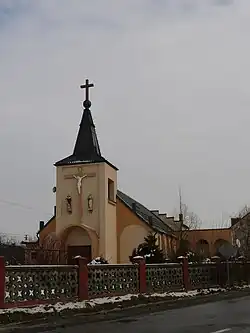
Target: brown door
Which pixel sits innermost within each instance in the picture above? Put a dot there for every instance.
(83, 251)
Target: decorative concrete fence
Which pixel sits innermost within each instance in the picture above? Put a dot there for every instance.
(32, 285)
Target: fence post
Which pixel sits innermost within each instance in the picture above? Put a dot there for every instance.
(2, 282)
(185, 274)
(221, 273)
(142, 274)
(218, 272)
(83, 277)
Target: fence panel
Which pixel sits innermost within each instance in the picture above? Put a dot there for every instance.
(239, 273)
(108, 280)
(203, 276)
(26, 283)
(164, 277)
(60, 283)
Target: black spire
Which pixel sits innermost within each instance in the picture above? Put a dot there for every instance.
(87, 149)
(87, 146)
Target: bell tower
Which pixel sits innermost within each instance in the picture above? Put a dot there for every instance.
(86, 186)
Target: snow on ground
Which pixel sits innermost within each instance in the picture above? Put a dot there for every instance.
(58, 307)
(190, 293)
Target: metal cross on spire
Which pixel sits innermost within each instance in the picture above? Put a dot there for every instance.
(86, 86)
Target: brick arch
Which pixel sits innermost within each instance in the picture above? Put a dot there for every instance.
(202, 247)
(84, 237)
(131, 236)
(218, 243)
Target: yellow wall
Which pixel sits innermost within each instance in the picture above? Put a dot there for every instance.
(110, 217)
(90, 185)
(48, 229)
(210, 235)
(123, 233)
(77, 237)
(100, 224)
(130, 231)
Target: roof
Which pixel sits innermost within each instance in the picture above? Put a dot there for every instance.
(175, 225)
(87, 149)
(145, 214)
(46, 224)
(210, 229)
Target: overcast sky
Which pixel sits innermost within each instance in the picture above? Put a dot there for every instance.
(171, 101)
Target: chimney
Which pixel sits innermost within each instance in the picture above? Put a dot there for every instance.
(134, 206)
(41, 225)
(180, 217)
(155, 211)
(54, 210)
(234, 220)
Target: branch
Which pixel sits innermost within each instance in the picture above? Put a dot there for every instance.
(243, 211)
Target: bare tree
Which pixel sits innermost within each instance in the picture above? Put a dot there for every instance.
(50, 251)
(243, 211)
(190, 219)
(241, 231)
(241, 237)
(6, 239)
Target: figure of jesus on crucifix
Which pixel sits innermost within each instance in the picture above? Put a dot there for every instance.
(79, 182)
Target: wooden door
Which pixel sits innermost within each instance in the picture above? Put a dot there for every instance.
(83, 251)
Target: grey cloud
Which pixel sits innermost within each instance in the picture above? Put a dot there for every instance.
(223, 2)
(171, 102)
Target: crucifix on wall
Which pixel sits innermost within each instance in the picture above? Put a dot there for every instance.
(79, 178)
(79, 182)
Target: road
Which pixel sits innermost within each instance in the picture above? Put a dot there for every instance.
(232, 316)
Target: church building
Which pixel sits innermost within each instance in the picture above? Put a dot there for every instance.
(92, 217)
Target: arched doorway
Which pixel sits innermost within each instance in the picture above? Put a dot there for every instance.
(202, 248)
(218, 244)
(77, 243)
